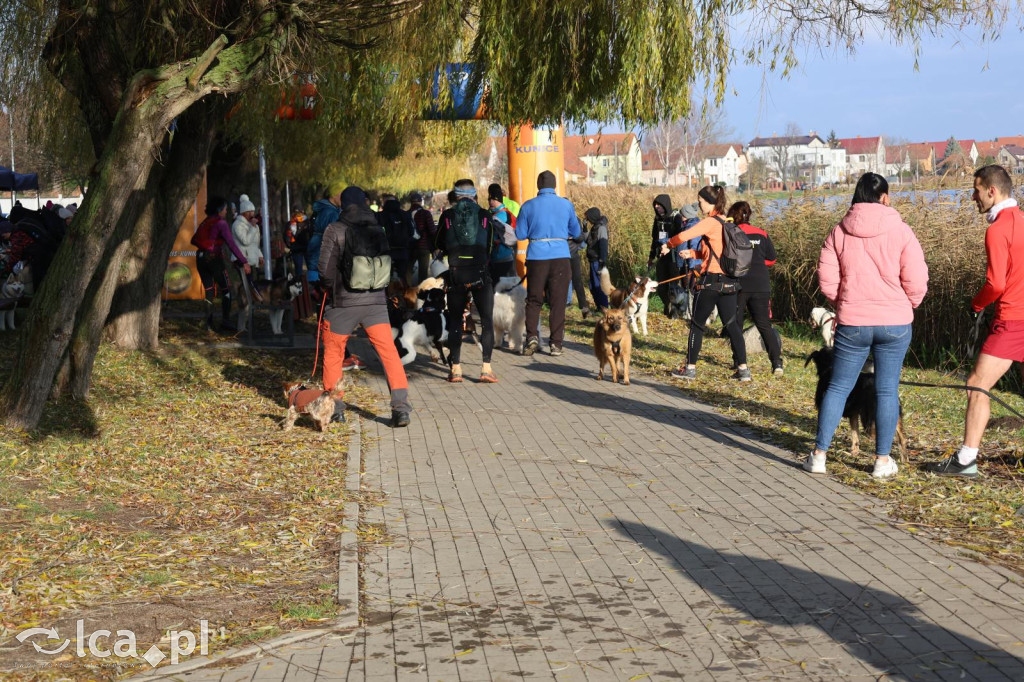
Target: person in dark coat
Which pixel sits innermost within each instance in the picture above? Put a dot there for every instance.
(755, 286)
(596, 239)
(666, 225)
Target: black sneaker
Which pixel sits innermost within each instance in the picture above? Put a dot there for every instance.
(952, 467)
(555, 350)
(399, 419)
(532, 344)
(585, 313)
(338, 418)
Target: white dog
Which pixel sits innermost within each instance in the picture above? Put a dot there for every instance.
(826, 319)
(633, 299)
(510, 311)
(10, 293)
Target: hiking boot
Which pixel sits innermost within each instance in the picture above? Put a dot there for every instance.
(885, 467)
(352, 362)
(685, 373)
(742, 374)
(399, 419)
(555, 351)
(815, 463)
(953, 467)
(532, 344)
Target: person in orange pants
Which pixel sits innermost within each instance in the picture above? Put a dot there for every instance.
(351, 308)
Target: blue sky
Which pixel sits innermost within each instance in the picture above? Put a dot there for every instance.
(963, 88)
(968, 90)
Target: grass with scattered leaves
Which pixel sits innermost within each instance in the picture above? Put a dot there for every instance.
(168, 497)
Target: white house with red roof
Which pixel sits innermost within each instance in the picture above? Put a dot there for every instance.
(864, 155)
(607, 159)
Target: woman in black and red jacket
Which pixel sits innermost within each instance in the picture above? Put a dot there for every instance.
(755, 287)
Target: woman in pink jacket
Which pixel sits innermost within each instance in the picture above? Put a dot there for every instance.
(872, 270)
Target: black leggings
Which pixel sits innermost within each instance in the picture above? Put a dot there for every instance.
(706, 300)
(759, 305)
(483, 297)
(213, 271)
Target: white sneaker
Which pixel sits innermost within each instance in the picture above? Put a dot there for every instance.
(885, 467)
(815, 463)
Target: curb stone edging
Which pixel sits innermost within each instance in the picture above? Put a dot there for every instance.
(348, 578)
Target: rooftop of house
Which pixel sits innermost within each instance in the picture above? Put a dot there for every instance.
(783, 141)
(860, 145)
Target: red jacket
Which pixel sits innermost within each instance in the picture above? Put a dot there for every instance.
(1004, 279)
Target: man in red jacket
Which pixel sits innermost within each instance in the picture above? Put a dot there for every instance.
(1004, 286)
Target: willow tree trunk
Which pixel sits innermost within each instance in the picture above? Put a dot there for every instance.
(134, 314)
(153, 100)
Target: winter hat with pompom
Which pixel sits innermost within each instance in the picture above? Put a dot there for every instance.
(245, 205)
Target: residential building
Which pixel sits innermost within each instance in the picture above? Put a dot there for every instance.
(654, 172)
(1017, 140)
(897, 160)
(987, 152)
(1011, 157)
(722, 163)
(968, 156)
(922, 157)
(609, 158)
(864, 155)
(803, 160)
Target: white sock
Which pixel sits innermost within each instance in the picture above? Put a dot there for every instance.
(966, 455)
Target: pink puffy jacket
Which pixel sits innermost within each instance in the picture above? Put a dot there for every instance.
(872, 268)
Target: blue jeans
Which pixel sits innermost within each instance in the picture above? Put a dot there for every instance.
(889, 345)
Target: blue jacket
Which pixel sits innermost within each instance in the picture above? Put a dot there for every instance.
(693, 244)
(548, 221)
(324, 213)
(502, 253)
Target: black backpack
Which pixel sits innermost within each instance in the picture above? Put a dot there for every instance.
(365, 263)
(467, 241)
(398, 227)
(737, 251)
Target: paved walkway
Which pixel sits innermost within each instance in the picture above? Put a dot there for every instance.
(551, 527)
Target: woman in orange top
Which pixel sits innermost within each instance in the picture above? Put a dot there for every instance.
(714, 288)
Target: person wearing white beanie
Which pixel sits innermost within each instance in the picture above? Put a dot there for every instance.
(247, 235)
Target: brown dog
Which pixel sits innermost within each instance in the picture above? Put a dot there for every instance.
(613, 344)
(317, 403)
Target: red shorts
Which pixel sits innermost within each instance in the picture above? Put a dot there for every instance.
(1005, 340)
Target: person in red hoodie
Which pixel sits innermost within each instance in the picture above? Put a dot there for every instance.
(872, 269)
(1004, 286)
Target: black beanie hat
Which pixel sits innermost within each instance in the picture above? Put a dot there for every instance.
(592, 215)
(352, 195)
(546, 180)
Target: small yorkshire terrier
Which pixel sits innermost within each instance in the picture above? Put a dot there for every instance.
(317, 403)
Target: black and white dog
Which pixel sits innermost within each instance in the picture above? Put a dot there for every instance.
(426, 330)
(860, 405)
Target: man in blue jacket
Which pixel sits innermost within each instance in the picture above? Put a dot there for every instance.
(325, 212)
(548, 221)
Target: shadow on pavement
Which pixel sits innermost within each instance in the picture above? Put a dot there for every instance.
(882, 629)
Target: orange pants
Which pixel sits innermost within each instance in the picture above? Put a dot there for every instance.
(380, 337)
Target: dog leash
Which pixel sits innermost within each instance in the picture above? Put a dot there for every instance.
(964, 388)
(319, 325)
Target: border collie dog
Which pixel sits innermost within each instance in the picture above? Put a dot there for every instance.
(860, 405)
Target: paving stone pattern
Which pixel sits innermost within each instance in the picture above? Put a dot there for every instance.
(554, 527)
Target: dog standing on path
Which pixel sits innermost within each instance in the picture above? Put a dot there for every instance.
(613, 344)
(634, 299)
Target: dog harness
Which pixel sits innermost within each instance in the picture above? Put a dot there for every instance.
(300, 397)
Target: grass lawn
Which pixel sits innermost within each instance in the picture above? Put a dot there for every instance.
(172, 496)
(978, 516)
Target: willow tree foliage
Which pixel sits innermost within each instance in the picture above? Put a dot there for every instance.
(134, 66)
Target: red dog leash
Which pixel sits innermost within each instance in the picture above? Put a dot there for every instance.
(319, 325)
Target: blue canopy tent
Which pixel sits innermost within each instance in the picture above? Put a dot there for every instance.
(17, 182)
